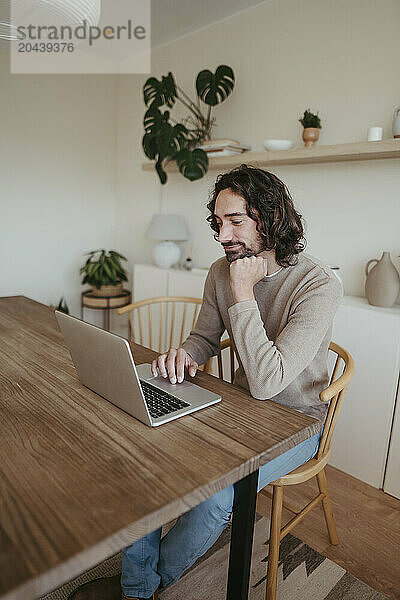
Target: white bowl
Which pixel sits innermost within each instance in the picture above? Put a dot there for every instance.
(277, 144)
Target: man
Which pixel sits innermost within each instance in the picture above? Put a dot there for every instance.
(277, 305)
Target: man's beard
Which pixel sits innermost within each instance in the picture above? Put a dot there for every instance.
(244, 251)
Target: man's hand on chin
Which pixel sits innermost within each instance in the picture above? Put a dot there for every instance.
(244, 274)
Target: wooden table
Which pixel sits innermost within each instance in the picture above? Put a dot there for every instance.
(80, 479)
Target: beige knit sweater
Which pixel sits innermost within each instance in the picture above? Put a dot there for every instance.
(281, 338)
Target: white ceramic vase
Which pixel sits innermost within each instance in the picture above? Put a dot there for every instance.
(396, 123)
(383, 282)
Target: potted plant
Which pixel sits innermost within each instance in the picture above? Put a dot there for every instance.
(104, 272)
(168, 140)
(312, 125)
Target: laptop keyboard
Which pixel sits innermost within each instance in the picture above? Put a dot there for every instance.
(159, 402)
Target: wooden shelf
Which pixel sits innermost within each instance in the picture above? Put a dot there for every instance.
(302, 155)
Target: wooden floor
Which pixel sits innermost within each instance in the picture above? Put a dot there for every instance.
(368, 524)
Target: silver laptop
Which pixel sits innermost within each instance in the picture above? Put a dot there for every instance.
(104, 364)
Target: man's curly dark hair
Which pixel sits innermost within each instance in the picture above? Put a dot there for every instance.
(270, 205)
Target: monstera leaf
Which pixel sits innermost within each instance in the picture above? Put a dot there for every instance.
(154, 119)
(157, 93)
(161, 137)
(162, 140)
(171, 139)
(149, 143)
(193, 164)
(212, 88)
(154, 122)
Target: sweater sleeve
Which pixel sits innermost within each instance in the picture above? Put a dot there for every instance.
(204, 341)
(271, 366)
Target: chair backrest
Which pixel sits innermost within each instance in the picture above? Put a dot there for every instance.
(341, 375)
(224, 345)
(163, 322)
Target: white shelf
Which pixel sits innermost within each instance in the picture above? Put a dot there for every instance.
(362, 302)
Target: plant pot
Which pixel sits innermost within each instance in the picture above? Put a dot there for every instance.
(107, 290)
(310, 135)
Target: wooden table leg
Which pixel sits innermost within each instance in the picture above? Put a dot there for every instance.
(107, 316)
(244, 510)
(106, 319)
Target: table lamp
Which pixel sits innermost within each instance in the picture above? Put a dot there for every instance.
(168, 229)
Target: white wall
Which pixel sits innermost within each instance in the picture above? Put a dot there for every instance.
(67, 186)
(137, 195)
(340, 58)
(58, 175)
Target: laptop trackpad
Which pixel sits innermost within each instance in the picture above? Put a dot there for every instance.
(144, 372)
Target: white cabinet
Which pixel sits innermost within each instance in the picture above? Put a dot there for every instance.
(361, 440)
(150, 281)
(391, 484)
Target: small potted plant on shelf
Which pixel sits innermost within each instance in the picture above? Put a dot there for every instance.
(104, 272)
(312, 125)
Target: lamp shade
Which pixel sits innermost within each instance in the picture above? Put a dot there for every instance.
(167, 227)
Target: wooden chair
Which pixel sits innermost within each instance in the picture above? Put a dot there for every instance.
(226, 344)
(163, 322)
(341, 375)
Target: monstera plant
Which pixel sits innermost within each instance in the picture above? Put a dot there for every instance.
(168, 140)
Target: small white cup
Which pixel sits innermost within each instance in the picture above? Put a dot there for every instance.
(375, 134)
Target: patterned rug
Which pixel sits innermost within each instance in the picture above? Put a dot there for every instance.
(303, 574)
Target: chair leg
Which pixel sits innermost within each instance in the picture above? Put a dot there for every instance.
(327, 506)
(274, 541)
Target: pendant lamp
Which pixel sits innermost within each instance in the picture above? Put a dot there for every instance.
(45, 12)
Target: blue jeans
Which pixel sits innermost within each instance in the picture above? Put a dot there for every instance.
(152, 561)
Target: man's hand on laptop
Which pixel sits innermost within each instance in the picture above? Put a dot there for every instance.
(173, 363)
